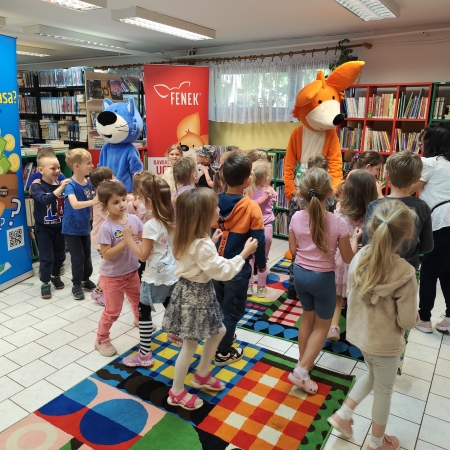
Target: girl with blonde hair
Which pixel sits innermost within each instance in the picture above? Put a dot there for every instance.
(382, 304)
(173, 154)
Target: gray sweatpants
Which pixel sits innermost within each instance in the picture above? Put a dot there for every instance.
(381, 378)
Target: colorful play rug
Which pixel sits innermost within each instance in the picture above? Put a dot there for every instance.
(120, 408)
(279, 317)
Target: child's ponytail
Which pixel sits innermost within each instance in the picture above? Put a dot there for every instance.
(391, 224)
(315, 186)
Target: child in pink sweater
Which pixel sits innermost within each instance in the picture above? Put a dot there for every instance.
(263, 194)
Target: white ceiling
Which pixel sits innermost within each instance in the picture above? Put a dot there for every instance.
(235, 22)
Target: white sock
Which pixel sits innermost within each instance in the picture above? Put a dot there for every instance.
(376, 442)
(345, 413)
(303, 373)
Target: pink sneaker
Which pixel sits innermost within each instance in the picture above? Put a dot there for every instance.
(138, 359)
(334, 334)
(444, 324)
(389, 443)
(105, 347)
(175, 339)
(343, 426)
(98, 297)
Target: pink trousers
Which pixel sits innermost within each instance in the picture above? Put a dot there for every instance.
(114, 290)
(262, 276)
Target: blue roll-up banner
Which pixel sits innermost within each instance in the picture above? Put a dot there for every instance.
(15, 256)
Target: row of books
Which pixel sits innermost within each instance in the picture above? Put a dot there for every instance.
(73, 76)
(406, 141)
(439, 111)
(350, 138)
(29, 129)
(381, 106)
(279, 169)
(72, 130)
(415, 108)
(378, 141)
(49, 129)
(61, 105)
(280, 224)
(25, 79)
(27, 105)
(112, 89)
(354, 108)
(282, 201)
(382, 173)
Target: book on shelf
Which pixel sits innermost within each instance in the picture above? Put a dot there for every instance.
(27, 170)
(33, 243)
(59, 104)
(28, 151)
(115, 88)
(353, 107)
(73, 76)
(438, 110)
(280, 168)
(378, 141)
(94, 89)
(282, 201)
(49, 128)
(106, 91)
(350, 138)
(406, 141)
(128, 86)
(98, 142)
(280, 224)
(382, 173)
(29, 129)
(414, 107)
(58, 145)
(25, 79)
(27, 104)
(29, 209)
(381, 106)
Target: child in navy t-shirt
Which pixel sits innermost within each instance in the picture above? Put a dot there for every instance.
(77, 220)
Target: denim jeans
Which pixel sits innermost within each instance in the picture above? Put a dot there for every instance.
(232, 297)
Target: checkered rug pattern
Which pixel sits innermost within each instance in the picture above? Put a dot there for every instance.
(280, 317)
(120, 408)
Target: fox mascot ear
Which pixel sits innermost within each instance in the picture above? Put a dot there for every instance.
(309, 92)
(345, 75)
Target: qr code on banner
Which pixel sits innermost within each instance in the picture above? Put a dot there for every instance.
(15, 237)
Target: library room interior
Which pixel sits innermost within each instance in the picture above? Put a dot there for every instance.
(162, 148)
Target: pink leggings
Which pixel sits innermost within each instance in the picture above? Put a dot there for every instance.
(262, 276)
(114, 289)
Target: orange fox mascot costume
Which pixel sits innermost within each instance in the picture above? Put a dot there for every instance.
(318, 109)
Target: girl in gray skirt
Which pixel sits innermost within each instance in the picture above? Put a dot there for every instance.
(193, 312)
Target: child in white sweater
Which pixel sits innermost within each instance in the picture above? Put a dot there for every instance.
(382, 304)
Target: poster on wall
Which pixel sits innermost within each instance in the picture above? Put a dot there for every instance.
(15, 257)
(176, 110)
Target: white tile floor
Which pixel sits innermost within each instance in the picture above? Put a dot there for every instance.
(47, 346)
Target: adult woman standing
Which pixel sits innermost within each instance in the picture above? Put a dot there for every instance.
(434, 189)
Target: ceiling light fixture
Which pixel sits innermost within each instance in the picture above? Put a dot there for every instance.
(78, 5)
(372, 9)
(141, 17)
(76, 39)
(32, 51)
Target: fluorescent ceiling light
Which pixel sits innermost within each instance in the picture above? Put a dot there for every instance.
(144, 18)
(33, 51)
(78, 5)
(372, 9)
(2, 22)
(76, 39)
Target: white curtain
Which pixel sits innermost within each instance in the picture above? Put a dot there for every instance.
(260, 91)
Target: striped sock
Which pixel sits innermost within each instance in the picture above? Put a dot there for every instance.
(145, 328)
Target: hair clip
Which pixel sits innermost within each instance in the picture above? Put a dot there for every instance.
(312, 193)
(137, 173)
(356, 156)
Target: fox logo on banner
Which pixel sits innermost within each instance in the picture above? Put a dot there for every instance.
(176, 110)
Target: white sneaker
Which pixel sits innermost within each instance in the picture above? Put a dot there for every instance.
(444, 324)
(261, 291)
(250, 290)
(425, 327)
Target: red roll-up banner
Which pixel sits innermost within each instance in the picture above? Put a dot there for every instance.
(176, 104)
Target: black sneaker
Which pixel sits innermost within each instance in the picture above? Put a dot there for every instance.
(77, 293)
(46, 291)
(57, 282)
(233, 355)
(292, 293)
(88, 285)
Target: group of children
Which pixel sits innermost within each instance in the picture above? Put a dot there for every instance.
(195, 247)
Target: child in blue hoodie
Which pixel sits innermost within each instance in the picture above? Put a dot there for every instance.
(239, 219)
